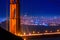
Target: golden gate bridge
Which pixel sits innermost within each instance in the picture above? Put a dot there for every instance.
(15, 25)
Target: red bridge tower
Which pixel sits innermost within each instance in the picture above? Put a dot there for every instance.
(15, 17)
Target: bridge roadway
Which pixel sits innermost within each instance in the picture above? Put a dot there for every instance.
(40, 35)
(26, 35)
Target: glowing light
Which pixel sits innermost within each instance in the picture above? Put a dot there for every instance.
(38, 32)
(29, 33)
(45, 24)
(15, 33)
(46, 31)
(36, 22)
(24, 33)
(18, 34)
(32, 21)
(58, 30)
(33, 31)
(24, 38)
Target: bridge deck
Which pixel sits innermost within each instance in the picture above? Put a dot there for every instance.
(39, 34)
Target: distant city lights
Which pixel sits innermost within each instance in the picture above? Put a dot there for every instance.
(31, 20)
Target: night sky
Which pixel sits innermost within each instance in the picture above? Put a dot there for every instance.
(33, 8)
(41, 7)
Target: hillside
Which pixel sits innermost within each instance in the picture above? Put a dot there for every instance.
(5, 35)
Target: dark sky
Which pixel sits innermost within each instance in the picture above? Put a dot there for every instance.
(41, 7)
(33, 8)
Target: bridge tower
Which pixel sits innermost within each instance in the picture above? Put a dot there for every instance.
(14, 17)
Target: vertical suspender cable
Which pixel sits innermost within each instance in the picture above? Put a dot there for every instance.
(22, 17)
(7, 15)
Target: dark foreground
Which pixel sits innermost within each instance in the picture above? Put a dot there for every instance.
(45, 37)
(5, 35)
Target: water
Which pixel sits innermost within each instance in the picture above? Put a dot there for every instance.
(41, 29)
(46, 39)
(52, 38)
(38, 28)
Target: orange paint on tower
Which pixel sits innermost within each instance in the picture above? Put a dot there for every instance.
(14, 17)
